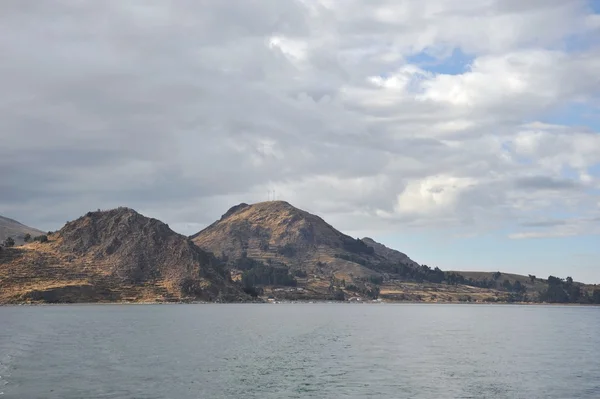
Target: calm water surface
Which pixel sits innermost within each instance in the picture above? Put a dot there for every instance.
(299, 351)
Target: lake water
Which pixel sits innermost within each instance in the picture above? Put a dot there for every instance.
(299, 351)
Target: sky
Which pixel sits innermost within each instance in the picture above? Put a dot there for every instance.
(465, 133)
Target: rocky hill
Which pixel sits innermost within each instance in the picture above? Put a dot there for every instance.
(15, 230)
(274, 244)
(116, 255)
(277, 233)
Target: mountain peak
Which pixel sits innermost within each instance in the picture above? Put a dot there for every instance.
(115, 225)
(264, 224)
(268, 206)
(275, 204)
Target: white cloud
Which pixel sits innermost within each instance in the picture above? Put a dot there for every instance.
(296, 50)
(183, 109)
(433, 194)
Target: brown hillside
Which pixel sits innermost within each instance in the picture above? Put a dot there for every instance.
(389, 254)
(113, 255)
(277, 232)
(16, 230)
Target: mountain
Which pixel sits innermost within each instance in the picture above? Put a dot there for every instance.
(16, 230)
(115, 255)
(276, 232)
(264, 242)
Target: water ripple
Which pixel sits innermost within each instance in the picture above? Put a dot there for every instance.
(300, 351)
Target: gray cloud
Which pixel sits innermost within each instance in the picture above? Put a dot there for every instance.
(544, 223)
(183, 109)
(545, 183)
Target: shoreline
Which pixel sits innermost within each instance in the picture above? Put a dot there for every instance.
(312, 302)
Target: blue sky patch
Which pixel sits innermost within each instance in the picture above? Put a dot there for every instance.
(574, 114)
(456, 64)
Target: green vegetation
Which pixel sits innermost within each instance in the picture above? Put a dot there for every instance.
(565, 291)
(245, 263)
(9, 242)
(300, 273)
(366, 286)
(264, 245)
(262, 274)
(27, 237)
(357, 246)
(517, 297)
(352, 258)
(190, 287)
(352, 287)
(517, 287)
(415, 273)
(253, 291)
(288, 250)
(374, 292)
(43, 238)
(224, 258)
(376, 280)
(338, 295)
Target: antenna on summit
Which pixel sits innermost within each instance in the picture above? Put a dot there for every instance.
(272, 195)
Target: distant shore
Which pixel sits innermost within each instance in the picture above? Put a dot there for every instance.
(284, 302)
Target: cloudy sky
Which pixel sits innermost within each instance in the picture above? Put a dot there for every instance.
(465, 133)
